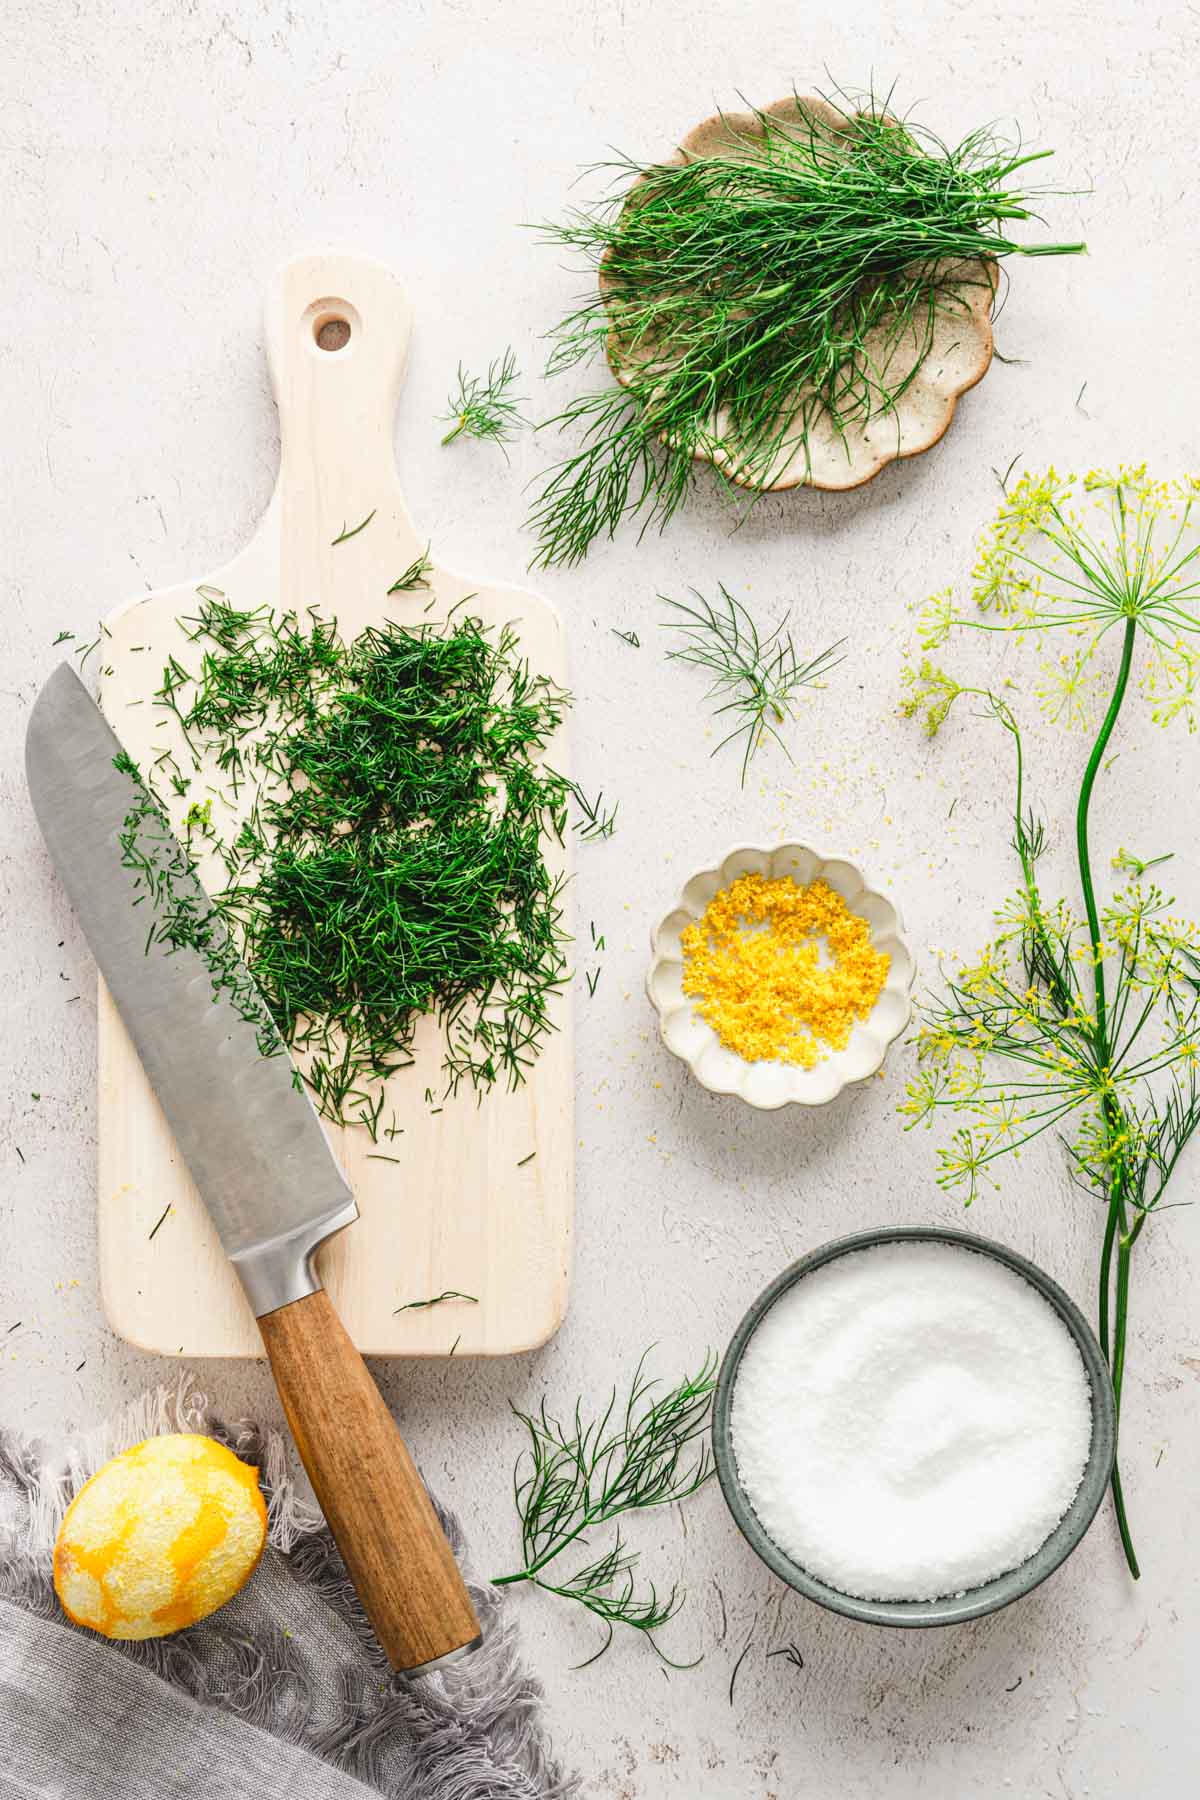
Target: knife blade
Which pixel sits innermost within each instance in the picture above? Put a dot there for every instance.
(256, 1151)
(244, 1125)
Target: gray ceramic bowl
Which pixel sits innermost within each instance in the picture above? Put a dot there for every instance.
(975, 1601)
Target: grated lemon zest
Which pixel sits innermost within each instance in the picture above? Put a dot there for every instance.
(753, 964)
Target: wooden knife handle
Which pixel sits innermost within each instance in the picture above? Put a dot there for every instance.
(375, 1502)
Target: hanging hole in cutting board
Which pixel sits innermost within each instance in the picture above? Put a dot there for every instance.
(333, 324)
(333, 334)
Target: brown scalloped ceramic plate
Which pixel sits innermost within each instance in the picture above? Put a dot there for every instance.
(958, 356)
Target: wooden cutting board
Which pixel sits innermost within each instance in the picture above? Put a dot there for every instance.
(481, 1198)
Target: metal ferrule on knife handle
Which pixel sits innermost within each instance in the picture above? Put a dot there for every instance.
(281, 1270)
(260, 1159)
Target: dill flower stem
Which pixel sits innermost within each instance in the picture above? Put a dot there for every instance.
(1081, 832)
(1110, 1238)
(1123, 1524)
(1113, 1118)
(1118, 1373)
(1117, 1365)
(1100, 573)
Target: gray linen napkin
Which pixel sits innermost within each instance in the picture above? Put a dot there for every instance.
(282, 1692)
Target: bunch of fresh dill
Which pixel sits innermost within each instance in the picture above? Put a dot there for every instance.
(759, 675)
(577, 1475)
(1084, 1024)
(390, 857)
(743, 296)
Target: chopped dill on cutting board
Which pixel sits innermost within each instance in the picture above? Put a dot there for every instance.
(389, 860)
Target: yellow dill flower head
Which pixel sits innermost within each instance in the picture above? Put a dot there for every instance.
(936, 619)
(1067, 688)
(929, 693)
(1049, 563)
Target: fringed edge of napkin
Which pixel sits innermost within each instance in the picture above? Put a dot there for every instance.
(477, 1723)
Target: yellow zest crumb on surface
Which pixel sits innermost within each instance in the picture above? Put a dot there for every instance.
(781, 972)
(160, 1537)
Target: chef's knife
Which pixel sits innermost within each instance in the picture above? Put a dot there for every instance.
(257, 1153)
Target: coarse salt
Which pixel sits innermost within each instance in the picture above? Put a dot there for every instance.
(911, 1420)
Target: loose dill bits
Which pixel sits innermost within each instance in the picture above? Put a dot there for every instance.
(391, 861)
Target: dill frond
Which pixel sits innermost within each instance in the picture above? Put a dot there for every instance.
(759, 676)
(483, 406)
(594, 822)
(579, 1474)
(346, 533)
(436, 1300)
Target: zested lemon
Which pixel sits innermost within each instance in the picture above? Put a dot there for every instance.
(160, 1537)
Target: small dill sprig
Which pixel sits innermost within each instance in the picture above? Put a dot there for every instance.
(760, 676)
(628, 637)
(483, 406)
(83, 651)
(415, 576)
(579, 1474)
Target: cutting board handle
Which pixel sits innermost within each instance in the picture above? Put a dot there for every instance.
(337, 329)
(381, 1518)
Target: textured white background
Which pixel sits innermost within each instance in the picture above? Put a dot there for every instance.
(156, 164)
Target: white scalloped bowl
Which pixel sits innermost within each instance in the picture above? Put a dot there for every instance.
(769, 1085)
